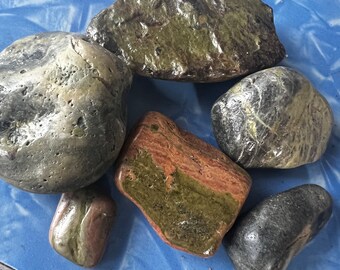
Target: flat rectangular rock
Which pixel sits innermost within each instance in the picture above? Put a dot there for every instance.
(189, 191)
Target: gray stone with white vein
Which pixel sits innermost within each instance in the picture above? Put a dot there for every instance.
(273, 118)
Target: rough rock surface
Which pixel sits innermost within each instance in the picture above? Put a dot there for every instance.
(199, 41)
(62, 112)
(189, 191)
(81, 226)
(278, 228)
(273, 118)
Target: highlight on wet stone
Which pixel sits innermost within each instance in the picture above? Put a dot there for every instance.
(190, 192)
(81, 226)
(274, 118)
(197, 41)
(277, 229)
(63, 112)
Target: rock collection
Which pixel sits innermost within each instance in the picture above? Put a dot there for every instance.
(196, 41)
(273, 119)
(63, 123)
(190, 192)
(278, 228)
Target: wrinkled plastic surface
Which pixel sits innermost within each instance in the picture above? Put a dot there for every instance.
(310, 31)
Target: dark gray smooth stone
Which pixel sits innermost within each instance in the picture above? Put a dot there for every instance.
(278, 228)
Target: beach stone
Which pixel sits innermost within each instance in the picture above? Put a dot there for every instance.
(274, 118)
(62, 112)
(197, 41)
(81, 226)
(190, 192)
(271, 234)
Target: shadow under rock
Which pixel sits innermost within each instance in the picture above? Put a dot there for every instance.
(208, 93)
(146, 96)
(314, 252)
(268, 182)
(123, 223)
(333, 147)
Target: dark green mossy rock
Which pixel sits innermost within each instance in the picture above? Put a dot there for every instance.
(198, 41)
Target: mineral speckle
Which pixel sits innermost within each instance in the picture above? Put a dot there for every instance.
(278, 228)
(62, 112)
(200, 41)
(273, 118)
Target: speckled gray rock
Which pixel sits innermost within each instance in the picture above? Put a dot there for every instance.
(81, 226)
(278, 228)
(193, 40)
(273, 118)
(62, 112)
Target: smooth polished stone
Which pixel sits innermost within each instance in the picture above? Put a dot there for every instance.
(271, 234)
(274, 119)
(63, 113)
(190, 192)
(196, 41)
(81, 226)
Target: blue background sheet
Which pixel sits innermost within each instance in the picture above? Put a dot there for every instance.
(310, 32)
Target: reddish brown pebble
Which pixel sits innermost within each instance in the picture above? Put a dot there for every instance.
(81, 226)
(189, 191)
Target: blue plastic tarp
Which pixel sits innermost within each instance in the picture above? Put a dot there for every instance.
(310, 32)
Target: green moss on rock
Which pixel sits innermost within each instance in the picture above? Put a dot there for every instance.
(200, 40)
(188, 214)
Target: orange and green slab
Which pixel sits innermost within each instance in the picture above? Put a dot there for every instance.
(190, 192)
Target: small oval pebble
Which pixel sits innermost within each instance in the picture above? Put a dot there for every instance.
(195, 40)
(273, 118)
(278, 228)
(62, 118)
(81, 226)
(190, 192)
